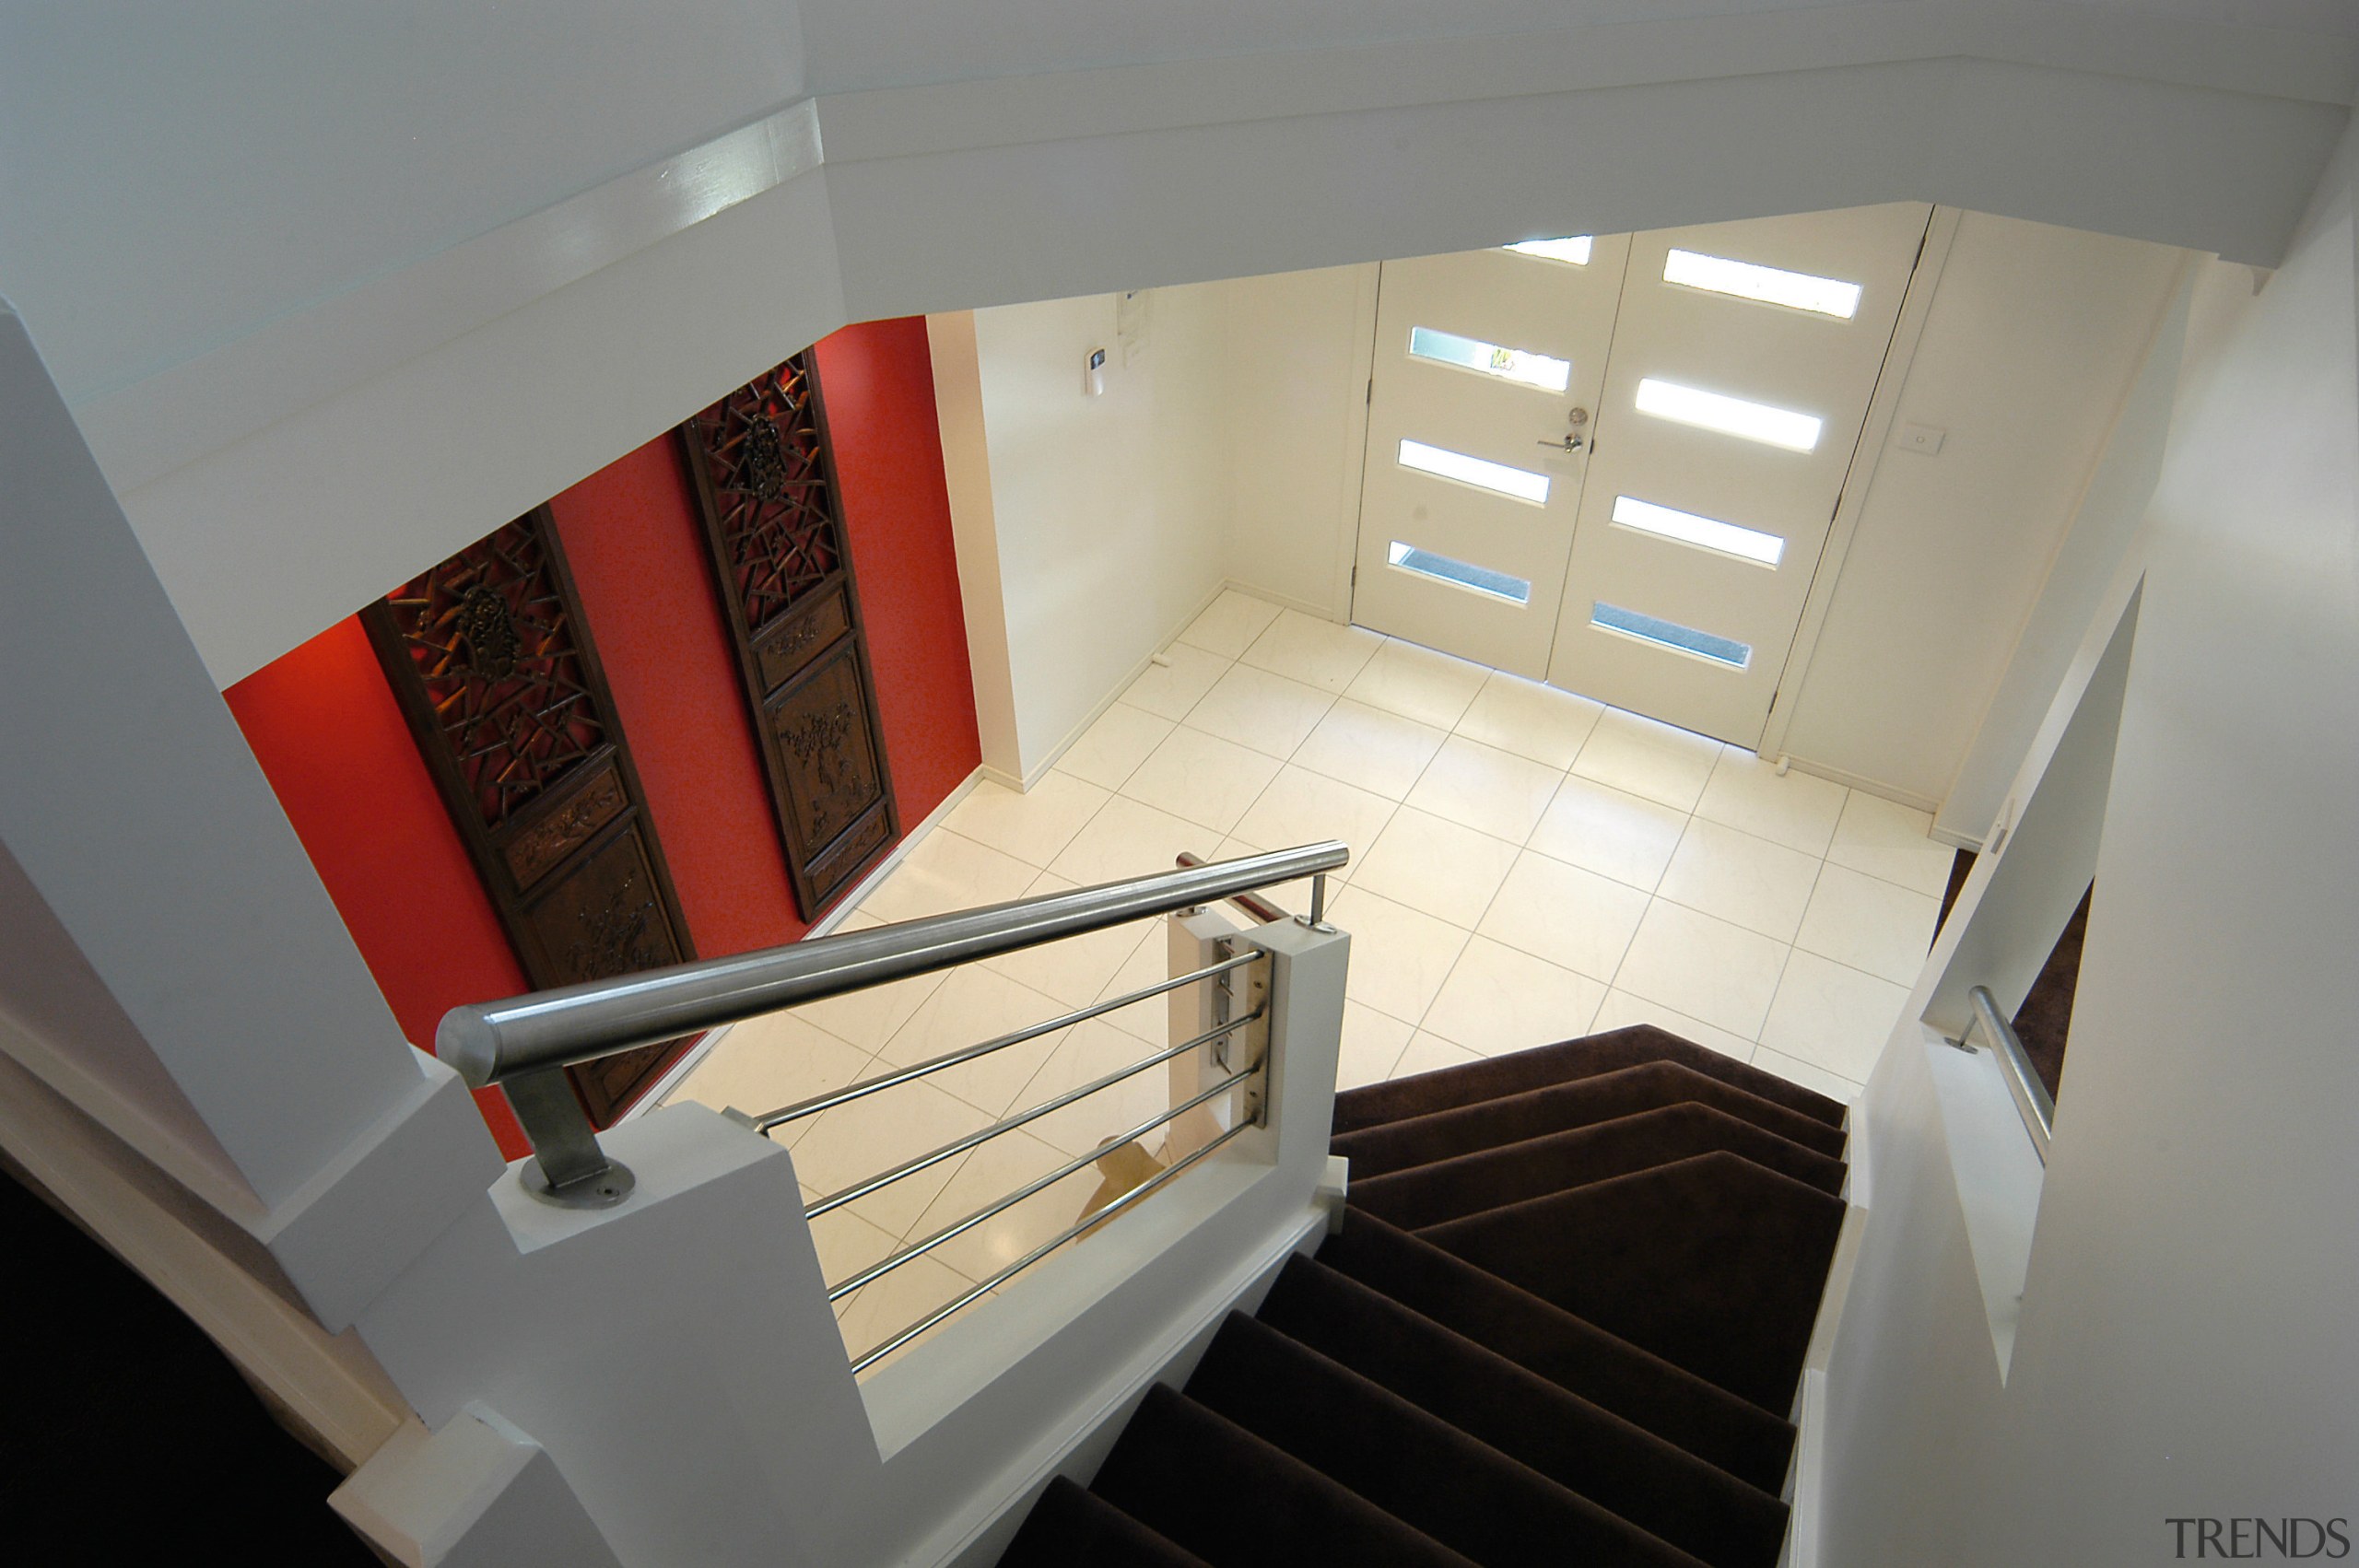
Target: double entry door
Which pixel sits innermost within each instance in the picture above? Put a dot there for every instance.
(1612, 461)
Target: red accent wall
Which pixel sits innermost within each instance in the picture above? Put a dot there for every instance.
(877, 378)
(324, 726)
(637, 553)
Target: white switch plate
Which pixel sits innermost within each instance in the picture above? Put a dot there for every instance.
(1923, 439)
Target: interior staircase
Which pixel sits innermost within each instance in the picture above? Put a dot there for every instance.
(1565, 1321)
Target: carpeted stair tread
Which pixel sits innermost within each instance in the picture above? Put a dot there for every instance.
(1438, 1479)
(1715, 1425)
(1238, 1501)
(1563, 1321)
(1622, 1467)
(1070, 1528)
(1559, 1107)
(1516, 1073)
(1712, 1263)
(1489, 1178)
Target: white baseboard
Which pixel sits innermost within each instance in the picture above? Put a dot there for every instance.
(1287, 600)
(1038, 770)
(1866, 785)
(1806, 1479)
(679, 1071)
(1056, 753)
(676, 1074)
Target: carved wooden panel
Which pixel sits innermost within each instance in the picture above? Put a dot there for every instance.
(764, 477)
(819, 725)
(496, 674)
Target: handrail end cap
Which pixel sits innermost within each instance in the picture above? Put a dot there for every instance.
(466, 1040)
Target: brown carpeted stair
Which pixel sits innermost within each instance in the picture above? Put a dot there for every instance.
(1564, 1321)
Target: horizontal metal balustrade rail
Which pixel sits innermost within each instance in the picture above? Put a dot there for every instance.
(984, 1287)
(524, 1043)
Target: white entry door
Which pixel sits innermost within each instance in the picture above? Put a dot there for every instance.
(1486, 364)
(1612, 463)
(1745, 356)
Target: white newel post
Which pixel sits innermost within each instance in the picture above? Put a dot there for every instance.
(1306, 1021)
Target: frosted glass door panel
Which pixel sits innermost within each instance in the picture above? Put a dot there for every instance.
(1745, 355)
(1467, 509)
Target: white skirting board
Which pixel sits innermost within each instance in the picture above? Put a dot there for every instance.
(1806, 1478)
(1860, 782)
(826, 924)
(1034, 774)
(913, 837)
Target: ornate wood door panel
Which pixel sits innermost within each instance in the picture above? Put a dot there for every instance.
(766, 482)
(494, 667)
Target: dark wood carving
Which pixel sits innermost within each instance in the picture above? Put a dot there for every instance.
(765, 480)
(496, 674)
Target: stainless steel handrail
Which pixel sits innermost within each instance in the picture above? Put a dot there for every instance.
(885, 1265)
(491, 1042)
(867, 1086)
(1253, 903)
(983, 1135)
(2033, 1101)
(524, 1043)
(985, 1287)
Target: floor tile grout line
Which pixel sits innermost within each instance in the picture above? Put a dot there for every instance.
(1875, 877)
(1393, 806)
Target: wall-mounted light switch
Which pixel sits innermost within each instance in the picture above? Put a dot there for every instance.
(1093, 374)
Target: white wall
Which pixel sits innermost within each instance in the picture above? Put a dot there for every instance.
(974, 526)
(334, 294)
(174, 968)
(1296, 348)
(2184, 1347)
(179, 176)
(2034, 338)
(2102, 529)
(857, 43)
(1110, 514)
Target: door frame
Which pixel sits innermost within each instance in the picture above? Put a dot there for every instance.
(1875, 434)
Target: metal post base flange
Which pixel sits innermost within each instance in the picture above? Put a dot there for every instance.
(603, 1191)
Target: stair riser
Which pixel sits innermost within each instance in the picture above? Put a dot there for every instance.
(1449, 1190)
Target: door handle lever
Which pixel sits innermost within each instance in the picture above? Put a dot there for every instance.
(1569, 444)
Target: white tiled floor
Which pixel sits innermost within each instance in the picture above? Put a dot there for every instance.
(1528, 866)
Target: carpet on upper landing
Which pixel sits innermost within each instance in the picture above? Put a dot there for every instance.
(1514, 1073)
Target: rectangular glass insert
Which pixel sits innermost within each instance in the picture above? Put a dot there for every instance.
(1481, 473)
(1459, 574)
(1771, 286)
(1704, 532)
(1473, 353)
(1572, 250)
(1728, 416)
(1725, 651)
